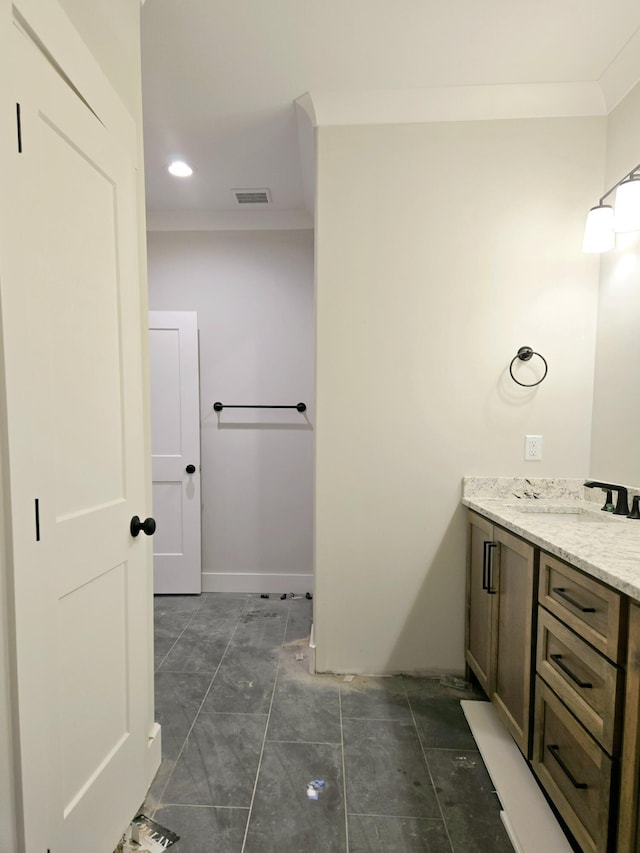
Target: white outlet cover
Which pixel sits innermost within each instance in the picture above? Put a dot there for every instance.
(532, 447)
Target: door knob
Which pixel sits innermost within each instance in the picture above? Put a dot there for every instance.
(190, 469)
(147, 526)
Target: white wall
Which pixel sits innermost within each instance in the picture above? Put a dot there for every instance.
(111, 31)
(253, 292)
(615, 454)
(440, 249)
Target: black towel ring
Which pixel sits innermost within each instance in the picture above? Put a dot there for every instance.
(525, 354)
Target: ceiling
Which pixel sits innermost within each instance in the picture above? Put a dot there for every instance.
(221, 77)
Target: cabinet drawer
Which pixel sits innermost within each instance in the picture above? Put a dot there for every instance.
(587, 606)
(573, 769)
(588, 684)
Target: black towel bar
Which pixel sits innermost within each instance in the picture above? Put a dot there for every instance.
(218, 407)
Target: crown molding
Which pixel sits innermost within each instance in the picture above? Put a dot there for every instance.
(229, 220)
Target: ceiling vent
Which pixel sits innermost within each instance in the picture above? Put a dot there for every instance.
(245, 197)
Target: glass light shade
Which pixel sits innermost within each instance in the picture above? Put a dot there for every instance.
(627, 208)
(180, 169)
(598, 230)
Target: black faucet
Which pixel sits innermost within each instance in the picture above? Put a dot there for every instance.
(622, 504)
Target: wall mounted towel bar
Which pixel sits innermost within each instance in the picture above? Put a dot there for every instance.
(218, 407)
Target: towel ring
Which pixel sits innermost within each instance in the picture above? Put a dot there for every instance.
(526, 354)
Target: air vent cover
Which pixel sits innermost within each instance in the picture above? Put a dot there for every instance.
(251, 196)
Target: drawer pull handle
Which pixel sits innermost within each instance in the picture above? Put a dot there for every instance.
(560, 590)
(554, 750)
(557, 659)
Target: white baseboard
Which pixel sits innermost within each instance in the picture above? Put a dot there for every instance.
(312, 651)
(256, 582)
(154, 751)
(529, 821)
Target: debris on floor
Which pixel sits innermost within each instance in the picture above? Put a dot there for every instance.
(145, 835)
(299, 656)
(309, 596)
(314, 788)
(348, 678)
(264, 595)
(456, 683)
(465, 762)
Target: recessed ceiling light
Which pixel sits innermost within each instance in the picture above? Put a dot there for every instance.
(180, 169)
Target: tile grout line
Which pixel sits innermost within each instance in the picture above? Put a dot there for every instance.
(309, 742)
(197, 713)
(344, 774)
(200, 806)
(266, 729)
(397, 817)
(195, 612)
(424, 756)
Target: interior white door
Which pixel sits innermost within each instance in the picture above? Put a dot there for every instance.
(175, 439)
(72, 351)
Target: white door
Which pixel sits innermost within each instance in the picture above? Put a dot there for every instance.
(72, 335)
(175, 439)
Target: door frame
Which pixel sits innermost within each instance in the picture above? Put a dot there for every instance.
(185, 322)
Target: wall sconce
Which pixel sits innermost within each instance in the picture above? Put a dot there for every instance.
(604, 220)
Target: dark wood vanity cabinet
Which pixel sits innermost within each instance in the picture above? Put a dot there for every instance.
(500, 606)
(629, 813)
(580, 660)
(558, 653)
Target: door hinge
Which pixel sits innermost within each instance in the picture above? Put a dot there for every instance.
(37, 519)
(19, 126)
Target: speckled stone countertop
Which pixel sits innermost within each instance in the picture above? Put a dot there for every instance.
(564, 519)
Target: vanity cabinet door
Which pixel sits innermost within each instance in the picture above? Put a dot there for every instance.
(629, 815)
(479, 625)
(500, 596)
(513, 641)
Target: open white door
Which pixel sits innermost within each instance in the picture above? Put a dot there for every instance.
(175, 430)
(71, 329)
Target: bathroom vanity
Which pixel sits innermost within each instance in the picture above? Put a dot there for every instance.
(553, 637)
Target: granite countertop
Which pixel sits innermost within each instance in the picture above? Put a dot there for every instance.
(565, 520)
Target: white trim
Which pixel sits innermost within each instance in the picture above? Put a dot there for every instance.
(454, 103)
(52, 28)
(305, 120)
(623, 73)
(312, 651)
(532, 824)
(256, 582)
(154, 751)
(229, 220)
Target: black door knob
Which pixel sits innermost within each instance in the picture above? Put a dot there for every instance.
(147, 526)
(190, 469)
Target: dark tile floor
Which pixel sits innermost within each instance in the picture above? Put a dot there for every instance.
(245, 728)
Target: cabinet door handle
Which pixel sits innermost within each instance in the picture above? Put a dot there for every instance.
(490, 546)
(560, 590)
(557, 659)
(485, 552)
(554, 749)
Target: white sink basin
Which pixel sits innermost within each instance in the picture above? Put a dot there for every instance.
(570, 513)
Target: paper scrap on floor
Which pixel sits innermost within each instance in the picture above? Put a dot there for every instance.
(147, 836)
